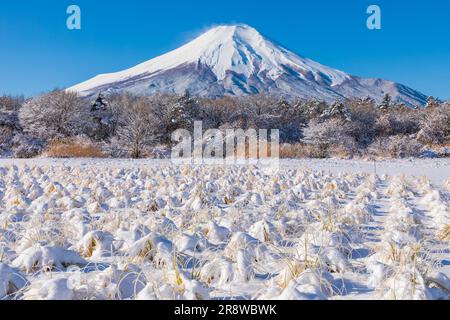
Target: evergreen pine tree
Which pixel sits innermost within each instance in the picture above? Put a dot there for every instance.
(183, 112)
(432, 102)
(337, 109)
(386, 103)
(101, 117)
(100, 103)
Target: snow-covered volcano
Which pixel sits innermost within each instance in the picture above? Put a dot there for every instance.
(237, 60)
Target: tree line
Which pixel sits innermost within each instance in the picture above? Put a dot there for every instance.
(124, 125)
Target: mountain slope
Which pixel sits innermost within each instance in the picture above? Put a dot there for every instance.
(237, 60)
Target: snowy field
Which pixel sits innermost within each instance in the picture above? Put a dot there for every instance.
(315, 229)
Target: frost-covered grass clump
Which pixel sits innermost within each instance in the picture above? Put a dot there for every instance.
(179, 232)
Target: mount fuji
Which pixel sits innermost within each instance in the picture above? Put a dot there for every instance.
(237, 60)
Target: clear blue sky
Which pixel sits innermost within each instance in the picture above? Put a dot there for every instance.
(38, 53)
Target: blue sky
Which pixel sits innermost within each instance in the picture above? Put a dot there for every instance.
(38, 53)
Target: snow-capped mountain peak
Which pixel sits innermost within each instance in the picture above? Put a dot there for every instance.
(238, 60)
(242, 49)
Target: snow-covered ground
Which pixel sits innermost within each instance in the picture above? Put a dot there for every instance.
(315, 229)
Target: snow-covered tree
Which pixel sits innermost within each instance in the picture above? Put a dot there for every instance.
(216, 112)
(10, 119)
(104, 119)
(26, 146)
(54, 115)
(432, 102)
(6, 136)
(328, 133)
(183, 112)
(291, 120)
(368, 100)
(283, 105)
(400, 121)
(386, 104)
(9, 122)
(337, 109)
(398, 146)
(313, 108)
(100, 104)
(436, 125)
(11, 102)
(363, 121)
(138, 128)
